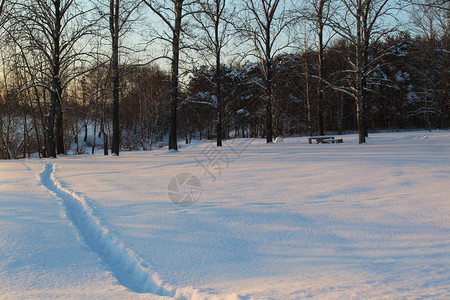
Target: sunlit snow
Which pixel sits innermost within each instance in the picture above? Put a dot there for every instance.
(286, 220)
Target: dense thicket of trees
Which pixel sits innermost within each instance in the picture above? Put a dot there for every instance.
(61, 84)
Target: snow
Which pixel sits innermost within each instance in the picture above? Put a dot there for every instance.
(235, 74)
(412, 97)
(279, 139)
(402, 76)
(272, 221)
(243, 112)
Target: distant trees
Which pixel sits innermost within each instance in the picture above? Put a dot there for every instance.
(214, 23)
(145, 109)
(50, 35)
(264, 24)
(431, 21)
(60, 78)
(394, 95)
(241, 102)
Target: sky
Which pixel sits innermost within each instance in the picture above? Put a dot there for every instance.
(149, 23)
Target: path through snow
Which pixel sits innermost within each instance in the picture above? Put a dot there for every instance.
(128, 268)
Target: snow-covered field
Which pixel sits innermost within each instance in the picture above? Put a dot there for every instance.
(286, 220)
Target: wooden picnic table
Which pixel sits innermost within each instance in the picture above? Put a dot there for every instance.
(324, 139)
(319, 139)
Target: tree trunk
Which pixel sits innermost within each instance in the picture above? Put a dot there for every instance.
(59, 124)
(219, 101)
(94, 142)
(308, 100)
(55, 131)
(359, 75)
(51, 145)
(269, 128)
(320, 128)
(175, 73)
(320, 51)
(218, 78)
(114, 27)
(186, 130)
(269, 116)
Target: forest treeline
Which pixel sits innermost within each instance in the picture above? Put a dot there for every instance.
(74, 79)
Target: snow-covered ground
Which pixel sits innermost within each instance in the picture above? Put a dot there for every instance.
(287, 220)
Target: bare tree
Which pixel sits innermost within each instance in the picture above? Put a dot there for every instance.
(120, 15)
(319, 14)
(213, 22)
(264, 24)
(359, 22)
(322, 11)
(117, 21)
(172, 13)
(55, 31)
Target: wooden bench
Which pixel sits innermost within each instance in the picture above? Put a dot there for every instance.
(324, 140)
